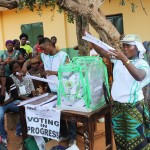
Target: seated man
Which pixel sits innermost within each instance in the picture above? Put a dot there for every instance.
(8, 105)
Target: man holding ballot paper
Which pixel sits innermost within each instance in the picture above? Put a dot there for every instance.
(52, 59)
(130, 115)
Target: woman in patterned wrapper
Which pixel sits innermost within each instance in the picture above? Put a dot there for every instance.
(130, 114)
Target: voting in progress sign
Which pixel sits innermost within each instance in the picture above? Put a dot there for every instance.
(42, 121)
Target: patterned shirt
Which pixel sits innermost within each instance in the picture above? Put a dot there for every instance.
(26, 82)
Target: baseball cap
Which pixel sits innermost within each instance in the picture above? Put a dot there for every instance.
(131, 38)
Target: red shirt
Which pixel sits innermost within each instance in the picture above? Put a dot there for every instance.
(39, 50)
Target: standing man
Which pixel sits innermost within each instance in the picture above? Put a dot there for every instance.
(52, 59)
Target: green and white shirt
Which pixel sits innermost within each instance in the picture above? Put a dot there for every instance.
(125, 88)
(52, 63)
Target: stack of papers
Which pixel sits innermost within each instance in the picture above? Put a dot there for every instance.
(88, 37)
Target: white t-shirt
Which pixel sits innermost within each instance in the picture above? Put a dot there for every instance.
(52, 63)
(125, 88)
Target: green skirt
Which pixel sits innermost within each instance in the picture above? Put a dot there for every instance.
(131, 125)
(146, 92)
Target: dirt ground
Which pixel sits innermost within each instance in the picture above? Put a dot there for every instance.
(15, 143)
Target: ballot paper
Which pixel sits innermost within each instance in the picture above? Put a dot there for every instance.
(49, 100)
(39, 79)
(51, 104)
(53, 86)
(33, 99)
(88, 37)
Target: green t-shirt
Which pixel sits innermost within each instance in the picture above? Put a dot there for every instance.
(28, 48)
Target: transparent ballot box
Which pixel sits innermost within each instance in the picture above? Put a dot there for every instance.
(81, 84)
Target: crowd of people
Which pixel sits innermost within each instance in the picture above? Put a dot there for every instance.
(130, 111)
(20, 59)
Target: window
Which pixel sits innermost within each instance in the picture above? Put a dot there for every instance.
(117, 21)
(32, 30)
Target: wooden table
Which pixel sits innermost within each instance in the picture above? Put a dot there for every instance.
(88, 119)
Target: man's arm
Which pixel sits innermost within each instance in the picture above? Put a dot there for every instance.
(101, 51)
(48, 72)
(137, 74)
(29, 62)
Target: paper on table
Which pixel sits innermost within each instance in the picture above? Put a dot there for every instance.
(88, 37)
(33, 99)
(39, 79)
(51, 104)
(53, 86)
(49, 100)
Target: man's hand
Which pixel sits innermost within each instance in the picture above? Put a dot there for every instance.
(23, 71)
(117, 55)
(48, 72)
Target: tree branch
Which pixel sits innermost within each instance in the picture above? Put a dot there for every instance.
(9, 4)
(143, 7)
(96, 18)
(73, 6)
(104, 27)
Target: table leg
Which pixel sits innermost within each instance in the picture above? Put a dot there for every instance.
(108, 131)
(89, 135)
(23, 124)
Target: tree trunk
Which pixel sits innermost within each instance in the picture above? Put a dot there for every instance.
(82, 24)
(9, 4)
